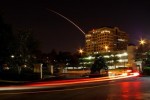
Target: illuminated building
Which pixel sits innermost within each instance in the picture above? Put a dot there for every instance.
(105, 40)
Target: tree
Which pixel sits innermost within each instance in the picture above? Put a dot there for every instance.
(98, 66)
(74, 60)
(25, 48)
(6, 41)
(147, 59)
(53, 56)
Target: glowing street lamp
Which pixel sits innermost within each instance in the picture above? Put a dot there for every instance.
(81, 51)
(12, 56)
(142, 42)
(106, 48)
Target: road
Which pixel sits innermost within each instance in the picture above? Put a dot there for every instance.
(135, 88)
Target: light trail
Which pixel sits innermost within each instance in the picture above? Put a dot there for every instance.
(47, 91)
(68, 20)
(53, 84)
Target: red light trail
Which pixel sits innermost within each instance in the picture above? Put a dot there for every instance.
(52, 84)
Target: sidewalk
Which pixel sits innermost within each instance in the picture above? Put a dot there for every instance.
(50, 78)
(9, 82)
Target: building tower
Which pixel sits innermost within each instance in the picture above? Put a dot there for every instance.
(105, 40)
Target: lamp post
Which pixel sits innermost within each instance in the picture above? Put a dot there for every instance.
(106, 48)
(81, 52)
(41, 71)
(142, 42)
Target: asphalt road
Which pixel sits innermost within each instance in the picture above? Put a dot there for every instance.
(137, 88)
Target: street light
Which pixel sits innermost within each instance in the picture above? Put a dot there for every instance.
(106, 48)
(12, 56)
(81, 51)
(142, 41)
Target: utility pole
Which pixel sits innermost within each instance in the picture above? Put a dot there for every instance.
(41, 71)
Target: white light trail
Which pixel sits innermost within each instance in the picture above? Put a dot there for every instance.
(68, 20)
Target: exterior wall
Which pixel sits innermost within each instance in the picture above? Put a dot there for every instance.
(131, 54)
(113, 38)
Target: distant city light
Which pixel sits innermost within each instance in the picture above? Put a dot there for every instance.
(121, 40)
(12, 56)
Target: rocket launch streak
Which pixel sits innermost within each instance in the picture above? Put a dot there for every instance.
(68, 20)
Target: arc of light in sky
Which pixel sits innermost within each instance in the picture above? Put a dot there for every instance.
(68, 20)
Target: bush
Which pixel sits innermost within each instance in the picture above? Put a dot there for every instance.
(146, 71)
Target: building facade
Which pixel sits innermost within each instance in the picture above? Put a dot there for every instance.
(105, 39)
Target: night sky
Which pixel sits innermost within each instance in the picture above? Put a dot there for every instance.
(54, 32)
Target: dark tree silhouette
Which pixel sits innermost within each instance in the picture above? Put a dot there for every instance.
(25, 48)
(99, 67)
